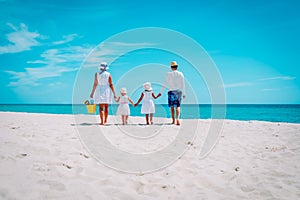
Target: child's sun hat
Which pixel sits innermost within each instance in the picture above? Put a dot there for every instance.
(123, 91)
(147, 86)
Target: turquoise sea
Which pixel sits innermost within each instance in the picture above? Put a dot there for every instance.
(270, 112)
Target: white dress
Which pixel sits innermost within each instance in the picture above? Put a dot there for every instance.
(123, 108)
(148, 104)
(103, 93)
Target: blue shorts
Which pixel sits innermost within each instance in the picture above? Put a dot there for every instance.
(174, 98)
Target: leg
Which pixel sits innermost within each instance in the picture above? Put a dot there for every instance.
(123, 119)
(105, 112)
(171, 105)
(151, 118)
(172, 114)
(177, 115)
(126, 119)
(101, 113)
(147, 118)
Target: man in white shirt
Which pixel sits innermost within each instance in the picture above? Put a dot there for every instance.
(175, 83)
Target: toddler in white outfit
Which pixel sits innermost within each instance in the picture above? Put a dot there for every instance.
(148, 107)
(123, 108)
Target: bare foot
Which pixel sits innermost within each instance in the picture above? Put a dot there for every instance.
(173, 122)
(177, 122)
(101, 123)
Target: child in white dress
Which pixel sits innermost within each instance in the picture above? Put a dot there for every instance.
(123, 108)
(148, 107)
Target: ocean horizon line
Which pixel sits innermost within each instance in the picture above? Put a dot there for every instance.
(261, 112)
(155, 104)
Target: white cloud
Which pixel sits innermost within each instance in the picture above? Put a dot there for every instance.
(55, 84)
(270, 89)
(66, 39)
(20, 40)
(54, 62)
(240, 84)
(108, 51)
(20, 79)
(66, 56)
(283, 78)
(37, 62)
(126, 44)
(243, 84)
(31, 76)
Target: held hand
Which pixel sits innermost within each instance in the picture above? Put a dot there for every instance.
(91, 95)
(116, 99)
(183, 96)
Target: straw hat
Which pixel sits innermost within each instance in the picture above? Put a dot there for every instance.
(123, 91)
(103, 66)
(173, 63)
(147, 86)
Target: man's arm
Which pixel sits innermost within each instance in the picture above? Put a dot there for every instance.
(183, 86)
(164, 85)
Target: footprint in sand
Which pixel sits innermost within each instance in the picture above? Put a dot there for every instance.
(82, 154)
(67, 166)
(22, 155)
(247, 188)
(53, 185)
(40, 167)
(15, 127)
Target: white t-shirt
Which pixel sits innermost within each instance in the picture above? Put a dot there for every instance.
(174, 81)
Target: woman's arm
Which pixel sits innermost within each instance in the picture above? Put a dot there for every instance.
(112, 86)
(94, 86)
(142, 96)
(155, 97)
(131, 101)
(117, 99)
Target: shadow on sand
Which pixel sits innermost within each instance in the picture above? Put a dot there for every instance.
(119, 124)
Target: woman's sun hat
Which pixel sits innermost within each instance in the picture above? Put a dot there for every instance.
(147, 86)
(123, 91)
(174, 63)
(103, 66)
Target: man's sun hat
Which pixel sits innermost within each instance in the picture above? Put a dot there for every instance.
(103, 66)
(123, 91)
(147, 86)
(173, 63)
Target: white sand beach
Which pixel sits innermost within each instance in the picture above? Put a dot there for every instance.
(42, 157)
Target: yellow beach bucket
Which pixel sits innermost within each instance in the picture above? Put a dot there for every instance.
(90, 106)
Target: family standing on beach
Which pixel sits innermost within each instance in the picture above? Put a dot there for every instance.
(103, 91)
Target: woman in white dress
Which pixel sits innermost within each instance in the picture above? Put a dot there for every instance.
(123, 108)
(103, 91)
(148, 107)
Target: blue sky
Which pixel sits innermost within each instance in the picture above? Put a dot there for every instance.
(254, 44)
